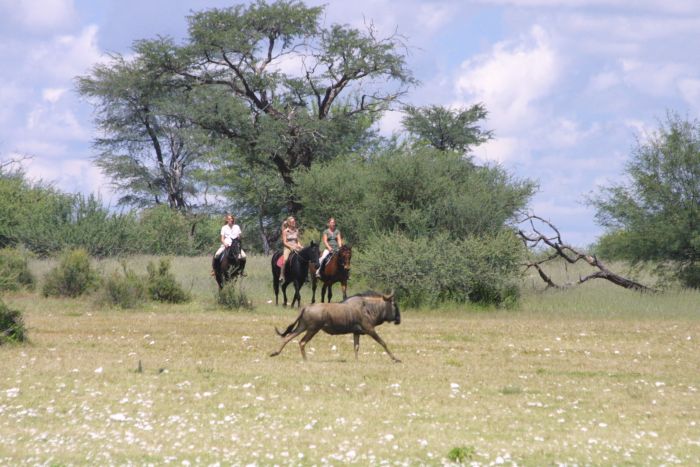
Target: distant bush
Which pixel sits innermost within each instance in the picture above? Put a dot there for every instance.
(164, 231)
(162, 285)
(72, 277)
(14, 270)
(231, 296)
(124, 289)
(424, 271)
(11, 325)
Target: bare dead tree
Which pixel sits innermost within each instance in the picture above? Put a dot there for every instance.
(535, 237)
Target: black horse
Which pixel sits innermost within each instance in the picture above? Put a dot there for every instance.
(229, 265)
(336, 269)
(297, 269)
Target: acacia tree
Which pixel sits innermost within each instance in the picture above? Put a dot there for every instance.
(655, 216)
(447, 129)
(148, 150)
(290, 91)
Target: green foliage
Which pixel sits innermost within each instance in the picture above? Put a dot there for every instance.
(446, 129)
(72, 277)
(11, 325)
(233, 297)
(165, 231)
(461, 454)
(162, 285)
(420, 192)
(14, 270)
(655, 217)
(427, 271)
(125, 289)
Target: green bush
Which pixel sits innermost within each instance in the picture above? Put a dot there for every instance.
(14, 270)
(423, 271)
(11, 325)
(125, 289)
(461, 454)
(162, 285)
(233, 297)
(164, 231)
(72, 277)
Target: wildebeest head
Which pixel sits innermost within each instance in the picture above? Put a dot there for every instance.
(394, 314)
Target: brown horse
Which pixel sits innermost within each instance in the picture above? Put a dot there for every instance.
(337, 269)
(358, 315)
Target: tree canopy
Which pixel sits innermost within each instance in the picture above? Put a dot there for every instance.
(655, 214)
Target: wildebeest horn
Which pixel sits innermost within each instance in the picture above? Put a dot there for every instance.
(390, 296)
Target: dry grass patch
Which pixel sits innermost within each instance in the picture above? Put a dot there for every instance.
(531, 386)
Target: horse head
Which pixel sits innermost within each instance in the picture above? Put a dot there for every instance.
(310, 254)
(344, 257)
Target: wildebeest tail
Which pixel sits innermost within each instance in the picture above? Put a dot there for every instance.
(291, 328)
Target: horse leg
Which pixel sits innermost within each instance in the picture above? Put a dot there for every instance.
(375, 336)
(323, 292)
(344, 286)
(307, 337)
(284, 292)
(330, 292)
(356, 344)
(313, 288)
(297, 295)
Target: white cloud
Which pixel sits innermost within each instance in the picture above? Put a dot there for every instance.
(511, 79)
(53, 95)
(690, 90)
(66, 56)
(40, 15)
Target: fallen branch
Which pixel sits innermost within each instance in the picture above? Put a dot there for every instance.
(535, 237)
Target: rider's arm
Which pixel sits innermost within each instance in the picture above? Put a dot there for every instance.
(284, 240)
(325, 241)
(339, 239)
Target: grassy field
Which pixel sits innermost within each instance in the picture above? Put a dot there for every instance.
(592, 376)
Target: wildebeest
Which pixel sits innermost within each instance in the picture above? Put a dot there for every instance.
(299, 266)
(359, 314)
(337, 269)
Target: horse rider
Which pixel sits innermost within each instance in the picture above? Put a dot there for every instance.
(333, 240)
(230, 231)
(290, 240)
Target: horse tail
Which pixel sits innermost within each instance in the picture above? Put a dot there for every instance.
(292, 327)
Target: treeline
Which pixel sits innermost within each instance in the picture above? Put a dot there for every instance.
(47, 221)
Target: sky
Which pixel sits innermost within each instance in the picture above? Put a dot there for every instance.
(571, 86)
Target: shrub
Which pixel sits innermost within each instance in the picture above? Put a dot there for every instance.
(461, 454)
(14, 270)
(233, 297)
(162, 285)
(125, 289)
(72, 277)
(11, 325)
(165, 231)
(424, 271)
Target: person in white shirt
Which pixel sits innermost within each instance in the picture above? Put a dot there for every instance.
(230, 231)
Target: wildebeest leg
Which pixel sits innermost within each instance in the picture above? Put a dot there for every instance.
(356, 344)
(307, 337)
(286, 340)
(375, 336)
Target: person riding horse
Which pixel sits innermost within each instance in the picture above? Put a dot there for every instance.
(333, 240)
(290, 240)
(230, 238)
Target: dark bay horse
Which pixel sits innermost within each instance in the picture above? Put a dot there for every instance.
(230, 265)
(299, 266)
(337, 269)
(358, 315)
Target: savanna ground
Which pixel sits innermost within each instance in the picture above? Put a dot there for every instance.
(592, 376)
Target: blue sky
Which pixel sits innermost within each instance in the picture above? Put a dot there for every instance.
(570, 85)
